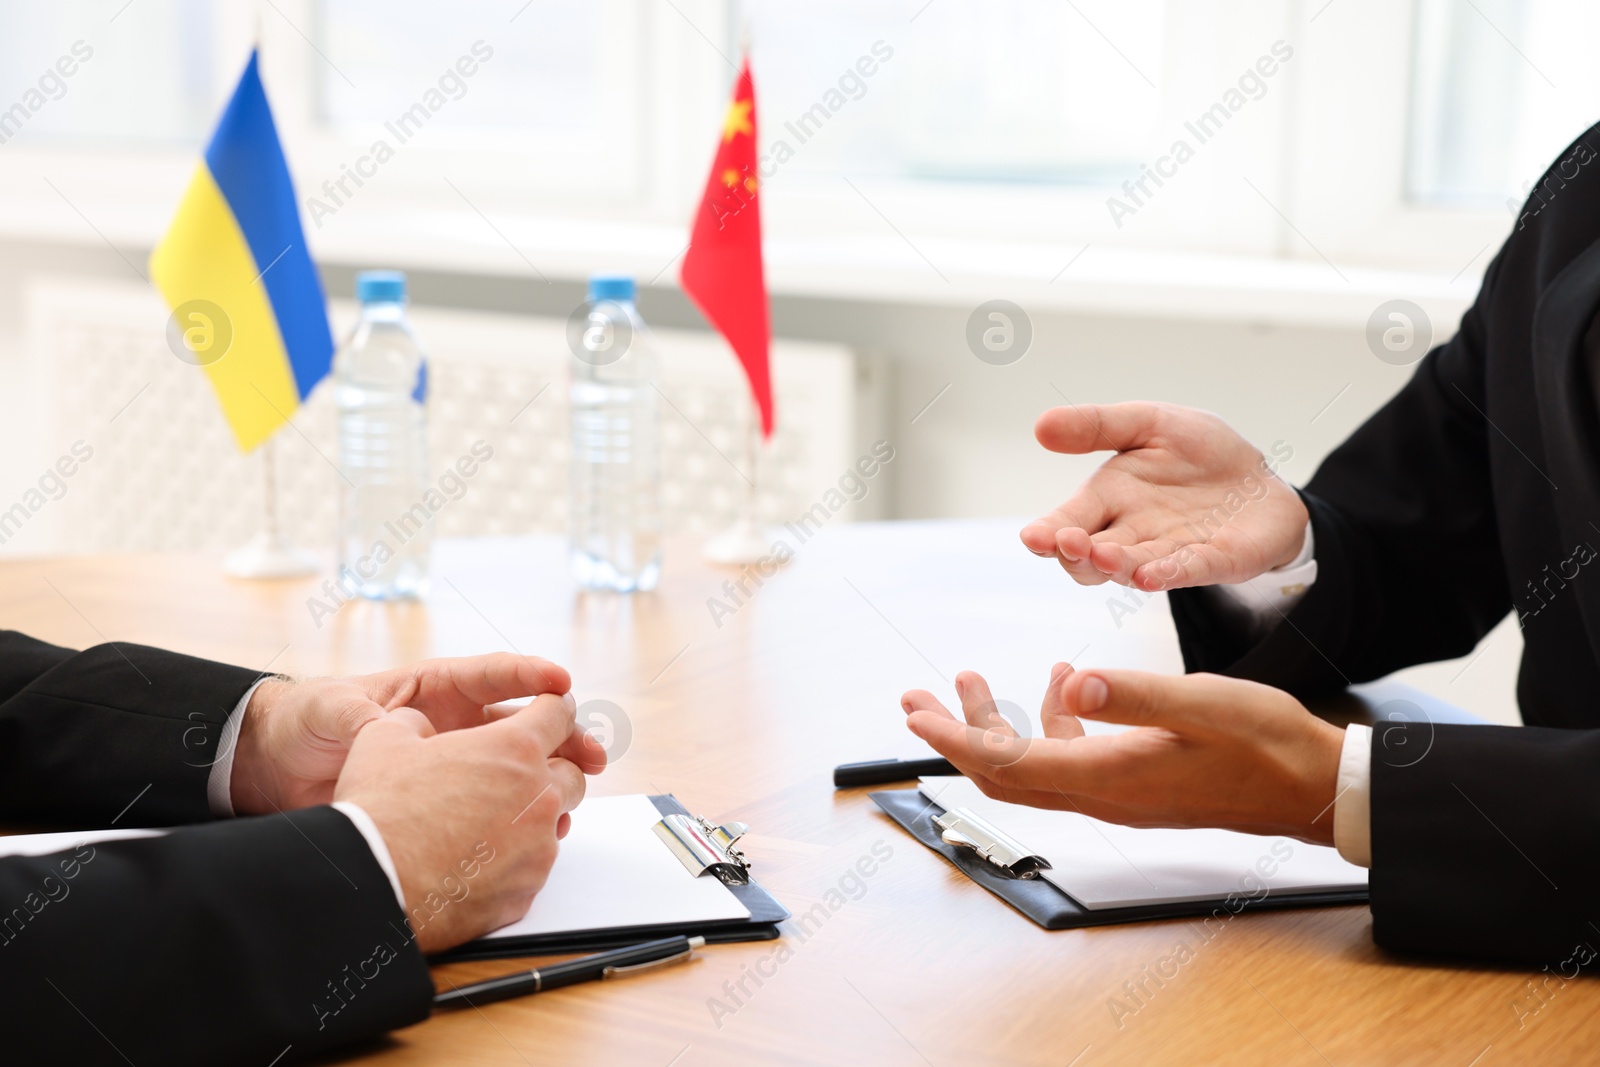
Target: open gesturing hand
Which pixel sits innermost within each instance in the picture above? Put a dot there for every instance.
(1206, 751)
(1185, 501)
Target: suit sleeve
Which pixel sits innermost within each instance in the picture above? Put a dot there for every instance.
(86, 736)
(1409, 565)
(1470, 857)
(252, 941)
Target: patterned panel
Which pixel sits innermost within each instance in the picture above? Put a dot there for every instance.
(166, 475)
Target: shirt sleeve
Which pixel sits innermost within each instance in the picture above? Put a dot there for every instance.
(1269, 596)
(219, 786)
(219, 792)
(380, 849)
(1352, 803)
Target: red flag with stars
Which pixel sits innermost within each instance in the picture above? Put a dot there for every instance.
(722, 271)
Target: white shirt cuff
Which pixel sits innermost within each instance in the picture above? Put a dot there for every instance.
(380, 851)
(1272, 594)
(219, 793)
(1352, 805)
(219, 787)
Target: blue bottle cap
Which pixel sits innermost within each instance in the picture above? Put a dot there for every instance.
(618, 287)
(381, 286)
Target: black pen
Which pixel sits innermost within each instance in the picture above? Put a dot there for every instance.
(877, 772)
(617, 963)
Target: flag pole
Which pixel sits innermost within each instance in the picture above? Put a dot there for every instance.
(269, 554)
(746, 541)
(736, 308)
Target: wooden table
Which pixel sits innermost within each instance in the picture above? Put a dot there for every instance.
(743, 716)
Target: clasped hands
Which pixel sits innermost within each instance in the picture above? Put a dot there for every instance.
(1204, 750)
(441, 769)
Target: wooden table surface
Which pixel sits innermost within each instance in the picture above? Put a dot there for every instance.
(743, 715)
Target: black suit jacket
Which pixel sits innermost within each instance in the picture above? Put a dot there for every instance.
(1474, 492)
(233, 942)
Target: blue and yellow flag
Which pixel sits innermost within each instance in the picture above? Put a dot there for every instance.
(234, 267)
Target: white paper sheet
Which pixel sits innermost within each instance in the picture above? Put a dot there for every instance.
(614, 871)
(1103, 865)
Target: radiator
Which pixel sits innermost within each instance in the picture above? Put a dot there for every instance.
(166, 475)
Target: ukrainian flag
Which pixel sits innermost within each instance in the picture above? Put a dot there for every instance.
(235, 269)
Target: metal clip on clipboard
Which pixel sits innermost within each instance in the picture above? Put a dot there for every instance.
(963, 829)
(702, 847)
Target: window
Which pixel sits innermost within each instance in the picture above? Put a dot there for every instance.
(1499, 88)
(152, 76)
(541, 66)
(515, 100)
(1019, 120)
(999, 91)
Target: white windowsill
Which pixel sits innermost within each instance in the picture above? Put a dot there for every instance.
(873, 268)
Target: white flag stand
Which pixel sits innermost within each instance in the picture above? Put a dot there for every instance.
(746, 541)
(269, 554)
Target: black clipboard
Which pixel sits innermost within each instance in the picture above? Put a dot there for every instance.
(765, 914)
(1053, 909)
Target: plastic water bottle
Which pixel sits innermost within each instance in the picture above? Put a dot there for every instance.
(615, 514)
(385, 524)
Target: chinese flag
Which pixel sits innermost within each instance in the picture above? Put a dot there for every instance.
(722, 270)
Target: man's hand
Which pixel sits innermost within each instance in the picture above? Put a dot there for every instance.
(295, 735)
(1206, 751)
(1185, 501)
(471, 817)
